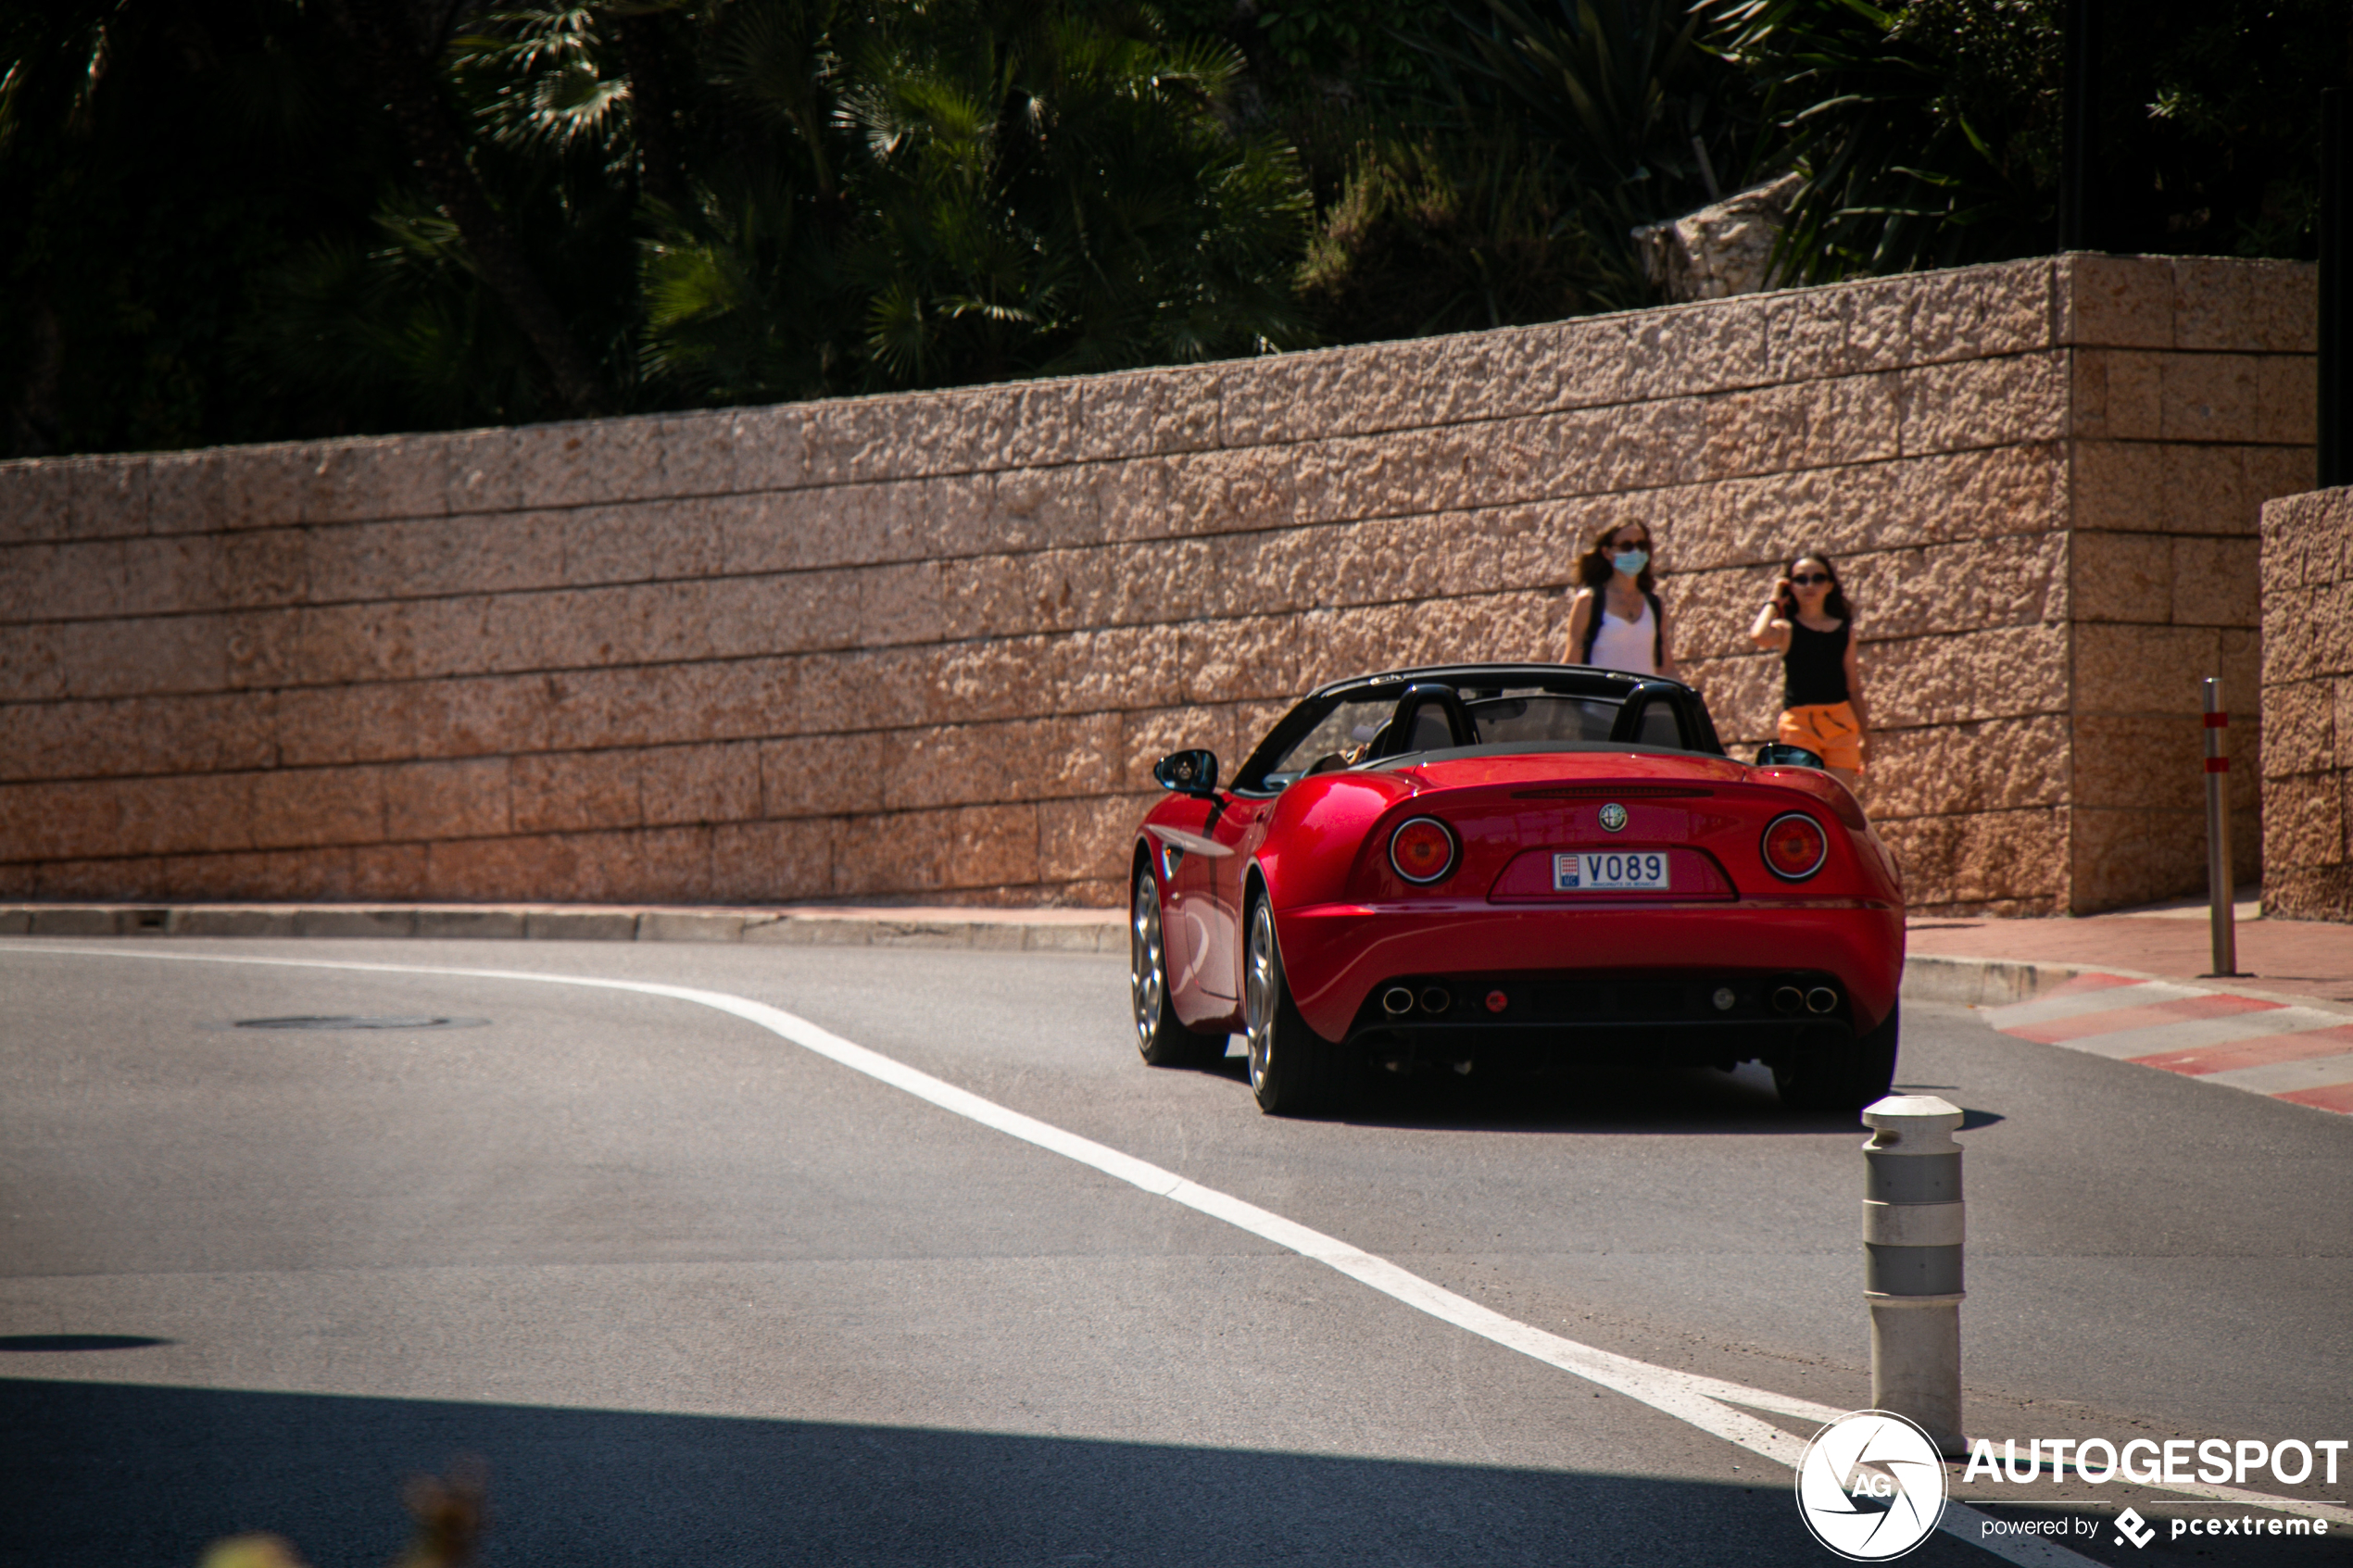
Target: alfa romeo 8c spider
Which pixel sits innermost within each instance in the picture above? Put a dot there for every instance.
(1514, 868)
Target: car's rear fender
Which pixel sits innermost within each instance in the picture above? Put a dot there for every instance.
(1493, 827)
(1318, 829)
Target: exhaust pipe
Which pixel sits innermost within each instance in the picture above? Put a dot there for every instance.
(1788, 999)
(1822, 998)
(1397, 1001)
(1436, 999)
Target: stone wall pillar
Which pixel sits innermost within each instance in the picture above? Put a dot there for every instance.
(2192, 404)
(2307, 704)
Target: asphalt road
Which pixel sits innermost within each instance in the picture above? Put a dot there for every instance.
(697, 1296)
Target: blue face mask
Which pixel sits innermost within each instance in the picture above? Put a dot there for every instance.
(1631, 562)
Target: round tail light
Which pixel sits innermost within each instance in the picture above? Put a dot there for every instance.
(1795, 846)
(1422, 849)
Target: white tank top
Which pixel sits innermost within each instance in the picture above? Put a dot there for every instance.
(1625, 645)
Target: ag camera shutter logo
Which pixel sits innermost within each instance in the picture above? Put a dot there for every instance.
(1871, 1487)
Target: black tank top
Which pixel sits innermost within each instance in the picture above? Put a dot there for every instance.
(1813, 670)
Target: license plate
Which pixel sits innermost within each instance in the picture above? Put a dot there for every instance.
(1611, 871)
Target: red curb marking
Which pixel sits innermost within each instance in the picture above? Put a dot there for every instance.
(2202, 1060)
(2217, 1005)
(2328, 1097)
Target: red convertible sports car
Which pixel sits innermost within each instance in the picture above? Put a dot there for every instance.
(1514, 867)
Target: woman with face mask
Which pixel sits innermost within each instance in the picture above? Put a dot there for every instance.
(1617, 621)
(1810, 624)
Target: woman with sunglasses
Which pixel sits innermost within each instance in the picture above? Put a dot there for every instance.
(1616, 620)
(1810, 624)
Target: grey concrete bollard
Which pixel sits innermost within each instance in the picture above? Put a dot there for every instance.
(1912, 1235)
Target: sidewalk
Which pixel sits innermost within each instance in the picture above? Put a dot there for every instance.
(2136, 986)
(2291, 956)
(2132, 987)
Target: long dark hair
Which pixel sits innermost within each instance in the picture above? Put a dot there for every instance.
(1595, 568)
(1834, 605)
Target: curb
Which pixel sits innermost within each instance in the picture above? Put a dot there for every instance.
(1964, 982)
(1056, 931)
(1984, 982)
(1992, 983)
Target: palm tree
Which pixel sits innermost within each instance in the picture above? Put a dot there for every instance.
(1646, 123)
(1924, 132)
(824, 199)
(971, 192)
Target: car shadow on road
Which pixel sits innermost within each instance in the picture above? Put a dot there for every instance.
(135, 1476)
(49, 1344)
(1669, 1101)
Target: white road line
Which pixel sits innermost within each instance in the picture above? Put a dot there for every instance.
(1704, 1402)
(2077, 1003)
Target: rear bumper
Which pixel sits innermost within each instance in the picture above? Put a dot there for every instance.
(1337, 956)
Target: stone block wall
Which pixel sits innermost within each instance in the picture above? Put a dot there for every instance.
(2307, 704)
(928, 647)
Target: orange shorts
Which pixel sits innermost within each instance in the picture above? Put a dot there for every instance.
(1828, 730)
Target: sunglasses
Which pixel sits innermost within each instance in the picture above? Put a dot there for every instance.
(1810, 579)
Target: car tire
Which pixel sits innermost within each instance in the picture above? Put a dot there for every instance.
(1293, 1070)
(1846, 1078)
(1160, 1034)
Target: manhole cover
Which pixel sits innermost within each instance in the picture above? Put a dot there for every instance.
(353, 1020)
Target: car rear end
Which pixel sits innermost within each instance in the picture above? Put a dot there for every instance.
(1547, 912)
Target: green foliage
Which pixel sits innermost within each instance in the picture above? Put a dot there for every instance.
(911, 196)
(394, 327)
(1649, 124)
(222, 240)
(1557, 128)
(154, 161)
(1929, 132)
(216, 233)
(1352, 40)
(397, 335)
(1435, 236)
(1361, 52)
(1060, 195)
(2210, 133)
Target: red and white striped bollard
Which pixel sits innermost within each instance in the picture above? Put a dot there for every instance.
(2220, 884)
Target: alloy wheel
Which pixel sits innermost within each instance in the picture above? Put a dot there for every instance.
(1258, 994)
(1147, 960)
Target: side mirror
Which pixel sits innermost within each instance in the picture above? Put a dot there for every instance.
(1188, 772)
(1773, 754)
